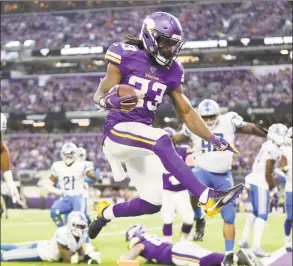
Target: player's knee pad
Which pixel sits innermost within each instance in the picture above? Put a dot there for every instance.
(229, 213)
(263, 216)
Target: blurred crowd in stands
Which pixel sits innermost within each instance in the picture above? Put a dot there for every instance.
(71, 93)
(102, 27)
(39, 151)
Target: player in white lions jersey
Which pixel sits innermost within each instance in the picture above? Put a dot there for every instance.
(66, 241)
(285, 170)
(70, 175)
(259, 182)
(213, 168)
(5, 164)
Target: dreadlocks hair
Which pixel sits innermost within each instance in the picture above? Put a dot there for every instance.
(134, 41)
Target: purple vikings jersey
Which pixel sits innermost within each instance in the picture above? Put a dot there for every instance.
(154, 81)
(156, 250)
(183, 151)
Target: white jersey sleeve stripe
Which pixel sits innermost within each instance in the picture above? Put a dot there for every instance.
(113, 54)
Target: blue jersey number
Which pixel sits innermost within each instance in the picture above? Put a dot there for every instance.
(207, 146)
(69, 182)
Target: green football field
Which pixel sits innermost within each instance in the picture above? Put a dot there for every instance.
(32, 225)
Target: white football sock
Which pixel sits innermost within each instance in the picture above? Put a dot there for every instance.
(184, 236)
(108, 213)
(259, 227)
(248, 226)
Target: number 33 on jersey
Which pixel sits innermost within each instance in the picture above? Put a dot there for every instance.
(139, 71)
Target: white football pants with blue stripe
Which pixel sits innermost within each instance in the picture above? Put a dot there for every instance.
(22, 254)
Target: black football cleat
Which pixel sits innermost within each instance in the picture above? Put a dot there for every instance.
(199, 229)
(219, 198)
(247, 258)
(96, 225)
(228, 260)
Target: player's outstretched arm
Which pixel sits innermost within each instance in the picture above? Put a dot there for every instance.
(253, 129)
(191, 118)
(112, 78)
(133, 253)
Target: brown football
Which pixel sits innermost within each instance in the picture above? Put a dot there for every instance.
(125, 90)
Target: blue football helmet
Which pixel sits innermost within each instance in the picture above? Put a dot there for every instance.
(162, 34)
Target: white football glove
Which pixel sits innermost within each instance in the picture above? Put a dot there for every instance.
(11, 186)
(174, 181)
(95, 258)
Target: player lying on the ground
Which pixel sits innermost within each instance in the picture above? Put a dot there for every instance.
(213, 168)
(259, 183)
(176, 197)
(5, 164)
(147, 68)
(285, 170)
(66, 245)
(156, 250)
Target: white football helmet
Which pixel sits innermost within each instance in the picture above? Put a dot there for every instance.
(68, 153)
(209, 110)
(77, 223)
(277, 133)
(81, 154)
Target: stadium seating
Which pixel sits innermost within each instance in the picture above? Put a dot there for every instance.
(92, 28)
(39, 151)
(228, 87)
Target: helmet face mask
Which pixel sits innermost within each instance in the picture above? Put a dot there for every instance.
(211, 120)
(77, 224)
(68, 153)
(209, 110)
(161, 35)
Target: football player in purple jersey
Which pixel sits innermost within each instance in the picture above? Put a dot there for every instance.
(183, 253)
(148, 64)
(176, 197)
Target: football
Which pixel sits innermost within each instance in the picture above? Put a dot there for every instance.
(125, 90)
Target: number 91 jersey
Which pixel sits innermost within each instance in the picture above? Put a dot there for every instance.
(154, 81)
(70, 178)
(205, 155)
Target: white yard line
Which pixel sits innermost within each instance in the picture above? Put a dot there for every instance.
(274, 256)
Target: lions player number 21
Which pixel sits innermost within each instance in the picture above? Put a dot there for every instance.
(69, 182)
(156, 88)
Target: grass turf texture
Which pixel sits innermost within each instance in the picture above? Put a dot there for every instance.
(33, 225)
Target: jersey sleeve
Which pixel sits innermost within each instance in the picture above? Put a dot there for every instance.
(54, 170)
(273, 152)
(61, 236)
(117, 55)
(237, 120)
(3, 122)
(186, 131)
(178, 76)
